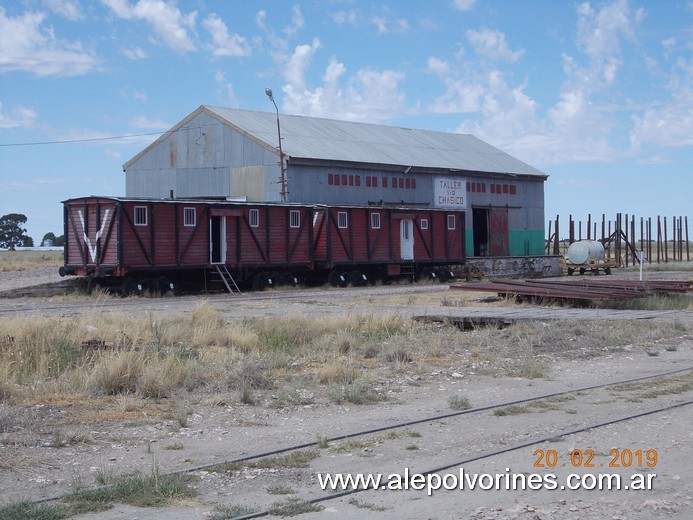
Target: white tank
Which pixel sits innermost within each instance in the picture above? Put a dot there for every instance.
(584, 251)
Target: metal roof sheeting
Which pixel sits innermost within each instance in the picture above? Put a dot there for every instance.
(332, 140)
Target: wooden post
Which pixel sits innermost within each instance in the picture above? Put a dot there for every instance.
(571, 230)
(642, 234)
(556, 251)
(589, 226)
(649, 239)
(632, 239)
(659, 238)
(680, 239)
(688, 253)
(625, 235)
(617, 230)
(666, 242)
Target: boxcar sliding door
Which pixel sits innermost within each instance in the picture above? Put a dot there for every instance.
(406, 239)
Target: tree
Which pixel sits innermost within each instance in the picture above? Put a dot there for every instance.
(56, 241)
(12, 232)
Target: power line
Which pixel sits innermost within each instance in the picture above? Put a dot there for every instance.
(87, 140)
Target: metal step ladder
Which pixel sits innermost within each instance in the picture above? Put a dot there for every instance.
(228, 280)
(408, 270)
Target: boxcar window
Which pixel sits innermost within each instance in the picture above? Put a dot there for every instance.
(451, 221)
(375, 220)
(140, 215)
(294, 218)
(254, 218)
(189, 217)
(342, 221)
(424, 223)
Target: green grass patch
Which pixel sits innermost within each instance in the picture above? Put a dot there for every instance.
(27, 510)
(295, 459)
(230, 512)
(138, 489)
(293, 507)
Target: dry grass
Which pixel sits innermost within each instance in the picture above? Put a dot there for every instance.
(109, 367)
(21, 260)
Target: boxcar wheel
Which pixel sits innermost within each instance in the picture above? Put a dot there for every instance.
(337, 279)
(444, 274)
(131, 286)
(163, 285)
(357, 278)
(259, 282)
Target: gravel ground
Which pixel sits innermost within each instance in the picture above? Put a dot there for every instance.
(220, 431)
(28, 278)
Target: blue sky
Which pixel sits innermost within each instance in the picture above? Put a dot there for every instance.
(598, 95)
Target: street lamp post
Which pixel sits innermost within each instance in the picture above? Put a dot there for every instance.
(283, 192)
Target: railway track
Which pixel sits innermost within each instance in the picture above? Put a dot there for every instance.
(481, 456)
(437, 418)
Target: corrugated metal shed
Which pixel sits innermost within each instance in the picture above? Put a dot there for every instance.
(310, 138)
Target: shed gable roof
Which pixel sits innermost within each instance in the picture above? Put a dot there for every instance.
(312, 138)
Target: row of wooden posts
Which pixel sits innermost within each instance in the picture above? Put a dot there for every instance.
(623, 241)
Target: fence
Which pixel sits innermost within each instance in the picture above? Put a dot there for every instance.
(623, 239)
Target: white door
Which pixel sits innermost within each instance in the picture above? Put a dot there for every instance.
(406, 239)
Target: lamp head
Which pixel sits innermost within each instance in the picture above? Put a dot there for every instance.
(268, 91)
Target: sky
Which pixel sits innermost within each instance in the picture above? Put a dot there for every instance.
(598, 95)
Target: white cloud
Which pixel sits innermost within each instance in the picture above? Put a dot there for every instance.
(297, 21)
(491, 45)
(668, 123)
(387, 25)
(149, 124)
(370, 95)
(437, 66)
(70, 9)
(167, 21)
(18, 117)
(599, 37)
(463, 5)
(225, 44)
(345, 17)
(135, 53)
(225, 90)
(28, 47)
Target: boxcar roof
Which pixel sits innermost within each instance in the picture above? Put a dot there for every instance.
(318, 139)
(226, 202)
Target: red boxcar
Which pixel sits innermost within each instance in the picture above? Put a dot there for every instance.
(148, 243)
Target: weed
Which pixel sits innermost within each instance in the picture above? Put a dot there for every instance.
(357, 392)
(510, 410)
(458, 402)
(27, 510)
(182, 414)
(293, 507)
(412, 447)
(230, 512)
(295, 459)
(350, 445)
(655, 388)
(138, 489)
(671, 348)
(174, 446)
(323, 443)
(280, 490)
(366, 505)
